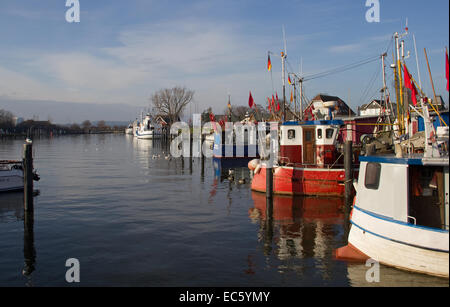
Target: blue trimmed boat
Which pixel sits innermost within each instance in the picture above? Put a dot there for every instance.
(400, 215)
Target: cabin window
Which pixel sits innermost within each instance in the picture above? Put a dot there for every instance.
(291, 134)
(330, 133)
(372, 178)
(319, 133)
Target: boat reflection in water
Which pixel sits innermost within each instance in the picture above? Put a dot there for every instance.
(299, 227)
(12, 209)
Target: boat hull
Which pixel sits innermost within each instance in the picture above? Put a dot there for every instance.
(11, 180)
(302, 181)
(401, 245)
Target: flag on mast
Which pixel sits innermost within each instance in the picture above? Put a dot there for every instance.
(250, 101)
(409, 84)
(292, 96)
(289, 80)
(269, 63)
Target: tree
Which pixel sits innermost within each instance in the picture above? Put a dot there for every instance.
(171, 102)
(6, 119)
(86, 125)
(101, 125)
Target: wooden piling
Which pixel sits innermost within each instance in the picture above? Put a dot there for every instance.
(28, 176)
(269, 182)
(348, 166)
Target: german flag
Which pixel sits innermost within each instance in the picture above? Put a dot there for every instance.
(289, 80)
(269, 63)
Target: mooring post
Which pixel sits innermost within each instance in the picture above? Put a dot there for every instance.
(269, 181)
(28, 175)
(348, 165)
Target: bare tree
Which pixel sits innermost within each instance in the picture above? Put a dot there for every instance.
(86, 125)
(6, 119)
(171, 102)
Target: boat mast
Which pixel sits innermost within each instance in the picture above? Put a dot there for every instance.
(417, 61)
(383, 98)
(283, 77)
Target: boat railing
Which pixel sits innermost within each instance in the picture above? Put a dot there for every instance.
(10, 162)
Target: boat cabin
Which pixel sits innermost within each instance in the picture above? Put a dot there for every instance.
(405, 190)
(312, 143)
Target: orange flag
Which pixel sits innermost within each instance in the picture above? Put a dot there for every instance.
(292, 96)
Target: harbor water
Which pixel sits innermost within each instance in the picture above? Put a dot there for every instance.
(131, 217)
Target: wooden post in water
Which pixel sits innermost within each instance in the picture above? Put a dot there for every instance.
(348, 166)
(269, 182)
(28, 175)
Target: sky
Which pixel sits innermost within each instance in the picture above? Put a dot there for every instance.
(121, 52)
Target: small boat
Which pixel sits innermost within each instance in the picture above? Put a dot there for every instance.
(146, 130)
(400, 215)
(129, 129)
(234, 149)
(309, 163)
(11, 176)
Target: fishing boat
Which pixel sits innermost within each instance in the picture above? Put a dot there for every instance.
(146, 129)
(11, 176)
(233, 149)
(310, 161)
(129, 129)
(400, 215)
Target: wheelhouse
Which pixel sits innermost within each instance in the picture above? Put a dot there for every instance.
(419, 196)
(309, 143)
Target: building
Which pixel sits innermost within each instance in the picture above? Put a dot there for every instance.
(327, 107)
(375, 108)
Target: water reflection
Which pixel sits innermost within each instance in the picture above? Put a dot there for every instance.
(29, 252)
(11, 208)
(299, 227)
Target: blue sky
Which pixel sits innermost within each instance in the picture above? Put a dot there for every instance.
(123, 51)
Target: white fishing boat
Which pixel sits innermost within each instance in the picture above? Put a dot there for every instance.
(129, 129)
(400, 215)
(11, 176)
(146, 129)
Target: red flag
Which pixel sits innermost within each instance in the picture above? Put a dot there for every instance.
(212, 117)
(446, 68)
(250, 100)
(409, 84)
(273, 101)
(276, 95)
(278, 106)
